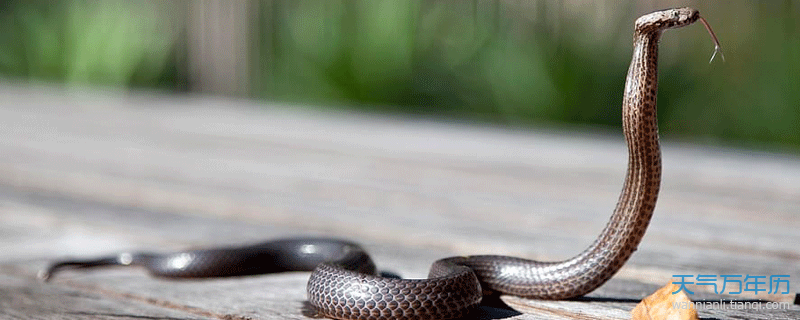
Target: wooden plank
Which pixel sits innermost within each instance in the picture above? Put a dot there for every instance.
(220, 46)
(22, 298)
(88, 173)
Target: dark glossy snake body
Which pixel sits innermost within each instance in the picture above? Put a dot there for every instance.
(344, 285)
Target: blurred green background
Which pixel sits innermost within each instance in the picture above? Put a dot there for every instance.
(516, 63)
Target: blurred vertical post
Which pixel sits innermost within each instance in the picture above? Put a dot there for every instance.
(220, 45)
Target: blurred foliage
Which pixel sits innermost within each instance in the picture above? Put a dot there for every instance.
(523, 62)
(509, 62)
(114, 43)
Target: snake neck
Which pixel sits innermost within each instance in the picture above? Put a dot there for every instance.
(637, 200)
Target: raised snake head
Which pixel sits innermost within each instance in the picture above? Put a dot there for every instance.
(666, 19)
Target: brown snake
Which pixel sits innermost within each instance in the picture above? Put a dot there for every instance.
(343, 284)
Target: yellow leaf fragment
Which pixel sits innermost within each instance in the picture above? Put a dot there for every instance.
(663, 305)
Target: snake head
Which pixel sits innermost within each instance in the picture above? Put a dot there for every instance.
(666, 19)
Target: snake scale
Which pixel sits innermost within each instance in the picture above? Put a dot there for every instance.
(344, 284)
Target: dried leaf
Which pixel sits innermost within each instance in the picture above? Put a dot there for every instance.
(663, 305)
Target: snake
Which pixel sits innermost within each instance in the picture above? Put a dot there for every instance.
(344, 283)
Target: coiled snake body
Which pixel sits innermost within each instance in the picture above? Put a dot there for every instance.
(343, 284)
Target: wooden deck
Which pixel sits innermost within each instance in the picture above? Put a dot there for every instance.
(87, 173)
